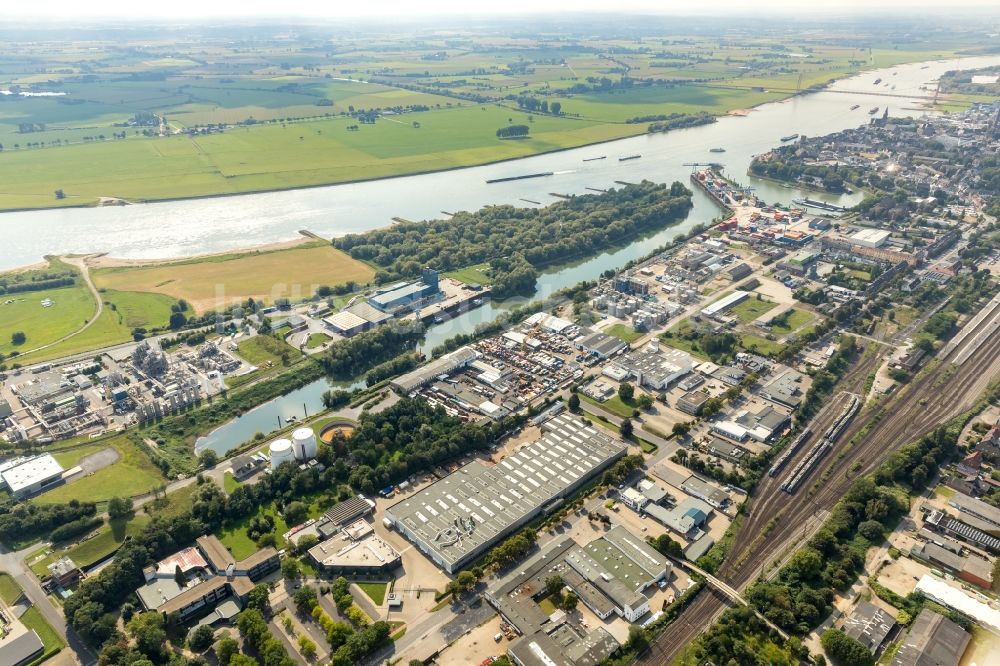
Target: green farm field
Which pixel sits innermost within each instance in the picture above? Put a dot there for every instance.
(207, 115)
(216, 281)
(275, 157)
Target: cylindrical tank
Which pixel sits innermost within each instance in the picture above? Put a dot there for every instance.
(281, 452)
(304, 443)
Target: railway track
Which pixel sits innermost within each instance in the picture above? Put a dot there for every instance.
(775, 521)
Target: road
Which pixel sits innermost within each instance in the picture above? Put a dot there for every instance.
(80, 263)
(13, 563)
(776, 522)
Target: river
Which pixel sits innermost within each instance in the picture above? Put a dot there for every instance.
(183, 228)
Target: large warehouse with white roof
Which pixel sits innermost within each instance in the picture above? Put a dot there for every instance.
(456, 519)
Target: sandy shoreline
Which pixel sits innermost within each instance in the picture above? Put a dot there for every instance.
(104, 261)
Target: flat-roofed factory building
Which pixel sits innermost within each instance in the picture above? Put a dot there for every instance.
(456, 519)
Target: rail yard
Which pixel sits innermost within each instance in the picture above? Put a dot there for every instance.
(776, 522)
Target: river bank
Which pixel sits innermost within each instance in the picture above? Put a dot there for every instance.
(189, 227)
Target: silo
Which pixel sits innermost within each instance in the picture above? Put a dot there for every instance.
(304, 443)
(281, 452)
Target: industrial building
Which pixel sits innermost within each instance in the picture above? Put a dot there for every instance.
(764, 425)
(616, 567)
(947, 525)
(870, 238)
(686, 519)
(633, 499)
(355, 550)
(210, 576)
(425, 374)
(19, 645)
(738, 271)
(727, 450)
(546, 640)
(785, 389)
(722, 305)
(933, 640)
(406, 295)
(654, 368)
(691, 403)
(869, 625)
(599, 344)
(972, 569)
(349, 510)
(29, 476)
(975, 512)
(456, 519)
(346, 323)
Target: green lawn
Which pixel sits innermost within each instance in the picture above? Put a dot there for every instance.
(140, 309)
(229, 483)
(235, 536)
(547, 606)
(317, 340)
(270, 157)
(471, 275)
(624, 333)
(108, 539)
(614, 405)
(132, 474)
(904, 315)
(793, 321)
(261, 350)
(759, 345)
(265, 352)
(33, 619)
(751, 308)
(72, 307)
(9, 589)
(677, 342)
(376, 591)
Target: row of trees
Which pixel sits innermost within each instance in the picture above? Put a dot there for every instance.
(512, 131)
(799, 598)
(22, 522)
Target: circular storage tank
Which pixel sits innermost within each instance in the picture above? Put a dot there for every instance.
(304, 443)
(281, 452)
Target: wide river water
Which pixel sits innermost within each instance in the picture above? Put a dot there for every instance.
(183, 228)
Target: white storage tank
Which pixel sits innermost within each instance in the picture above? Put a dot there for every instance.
(281, 452)
(304, 443)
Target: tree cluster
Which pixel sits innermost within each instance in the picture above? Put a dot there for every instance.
(520, 240)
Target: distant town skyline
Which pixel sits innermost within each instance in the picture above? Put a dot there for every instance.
(390, 9)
